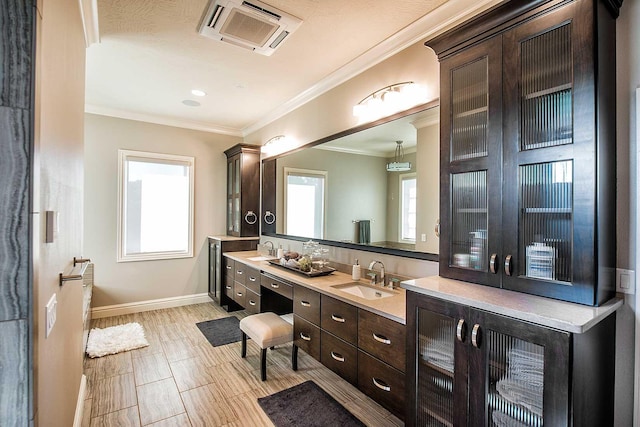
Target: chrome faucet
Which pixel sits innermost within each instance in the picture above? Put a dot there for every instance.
(375, 279)
(272, 251)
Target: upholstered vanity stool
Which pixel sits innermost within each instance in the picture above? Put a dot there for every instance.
(267, 330)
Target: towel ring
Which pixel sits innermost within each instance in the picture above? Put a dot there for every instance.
(269, 217)
(251, 214)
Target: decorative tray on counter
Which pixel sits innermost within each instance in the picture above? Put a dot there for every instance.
(313, 273)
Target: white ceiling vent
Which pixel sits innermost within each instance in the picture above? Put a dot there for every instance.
(250, 24)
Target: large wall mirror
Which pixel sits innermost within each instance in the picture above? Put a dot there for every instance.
(342, 190)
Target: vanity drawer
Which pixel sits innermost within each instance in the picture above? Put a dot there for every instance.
(252, 302)
(382, 338)
(339, 318)
(228, 288)
(381, 382)
(340, 357)
(229, 265)
(277, 285)
(239, 272)
(240, 294)
(252, 279)
(306, 304)
(306, 336)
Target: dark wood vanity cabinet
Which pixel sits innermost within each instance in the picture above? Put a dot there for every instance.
(471, 367)
(243, 190)
(221, 267)
(528, 149)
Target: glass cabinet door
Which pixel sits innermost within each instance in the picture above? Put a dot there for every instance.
(549, 162)
(525, 368)
(441, 390)
(472, 138)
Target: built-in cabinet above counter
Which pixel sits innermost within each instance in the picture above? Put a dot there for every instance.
(528, 149)
(243, 190)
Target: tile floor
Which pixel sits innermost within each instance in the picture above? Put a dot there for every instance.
(180, 380)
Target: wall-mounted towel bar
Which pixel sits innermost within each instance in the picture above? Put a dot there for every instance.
(77, 273)
(355, 221)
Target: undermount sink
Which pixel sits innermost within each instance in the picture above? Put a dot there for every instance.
(365, 291)
(260, 258)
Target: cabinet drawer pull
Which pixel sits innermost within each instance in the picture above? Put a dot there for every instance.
(381, 384)
(252, 279)
(461, 330)
(337, 356)
(252, 302)
(507, 265)
(239, 294)
(476, 336)
(228, 267)
(305, 303)
(228, 287)
(275, 285)
(337, 318)
(239, 271)
(493, 263)
(305, 337)
(381, 338)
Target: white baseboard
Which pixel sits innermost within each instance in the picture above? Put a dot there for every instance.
(140, 306)
(82, 393)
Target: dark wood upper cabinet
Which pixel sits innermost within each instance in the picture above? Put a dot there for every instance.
(528, 149)
(243, 190)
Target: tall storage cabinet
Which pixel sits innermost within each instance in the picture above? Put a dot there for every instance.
(217, 274)
(472, 367)
(528, 149)
(243, 190)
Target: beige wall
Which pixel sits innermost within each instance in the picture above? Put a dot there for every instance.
(628, 79)
(58, 187)
(127, 282)
(428, 169)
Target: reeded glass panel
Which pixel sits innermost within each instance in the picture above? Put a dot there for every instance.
(469, 220)
(236, 167)
(236, 214)
(546, 197)
(547, 105)
(230, 214)
(516, 382)
(436, 335)
(470, 105)
(230, 178)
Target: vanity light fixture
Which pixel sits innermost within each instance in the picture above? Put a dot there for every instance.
(398, 165)
(389, 100)
(277, 144)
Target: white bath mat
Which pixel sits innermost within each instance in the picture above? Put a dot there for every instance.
(115, 339)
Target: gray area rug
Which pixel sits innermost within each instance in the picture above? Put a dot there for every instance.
(306, 405)
(221, 331)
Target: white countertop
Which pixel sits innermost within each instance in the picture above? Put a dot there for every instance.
(232, 238)
(565, 316)
(393, 307)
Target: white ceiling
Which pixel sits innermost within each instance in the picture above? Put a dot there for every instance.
(150, 56)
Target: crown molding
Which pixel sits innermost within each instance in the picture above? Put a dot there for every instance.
(161, 120)
(438, 21)
(89, 16)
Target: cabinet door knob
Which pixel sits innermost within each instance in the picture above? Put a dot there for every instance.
(381, 384)
(305, 304)
(381, 338)
(337, 318)
(493, 263)
(507, 265)
(305, 337)
(461, 330)
(337, 356)
(476, 336)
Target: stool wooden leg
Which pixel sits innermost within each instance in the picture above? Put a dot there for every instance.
(294, 358)
(244, 345)
(263, 365)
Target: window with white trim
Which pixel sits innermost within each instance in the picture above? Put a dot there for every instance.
(155, 206)
(304, 198)
(408, 206)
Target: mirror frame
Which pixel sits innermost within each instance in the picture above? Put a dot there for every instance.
(269, 189)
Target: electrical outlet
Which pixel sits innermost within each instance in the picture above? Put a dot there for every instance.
(625, 281)
(423, 237)
(50, 315)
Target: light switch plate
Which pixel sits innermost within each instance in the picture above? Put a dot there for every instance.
(625, 281)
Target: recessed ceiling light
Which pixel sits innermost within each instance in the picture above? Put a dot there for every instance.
(191, 103)
(198, 92)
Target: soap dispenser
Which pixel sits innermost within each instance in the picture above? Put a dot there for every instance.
(355, 271)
